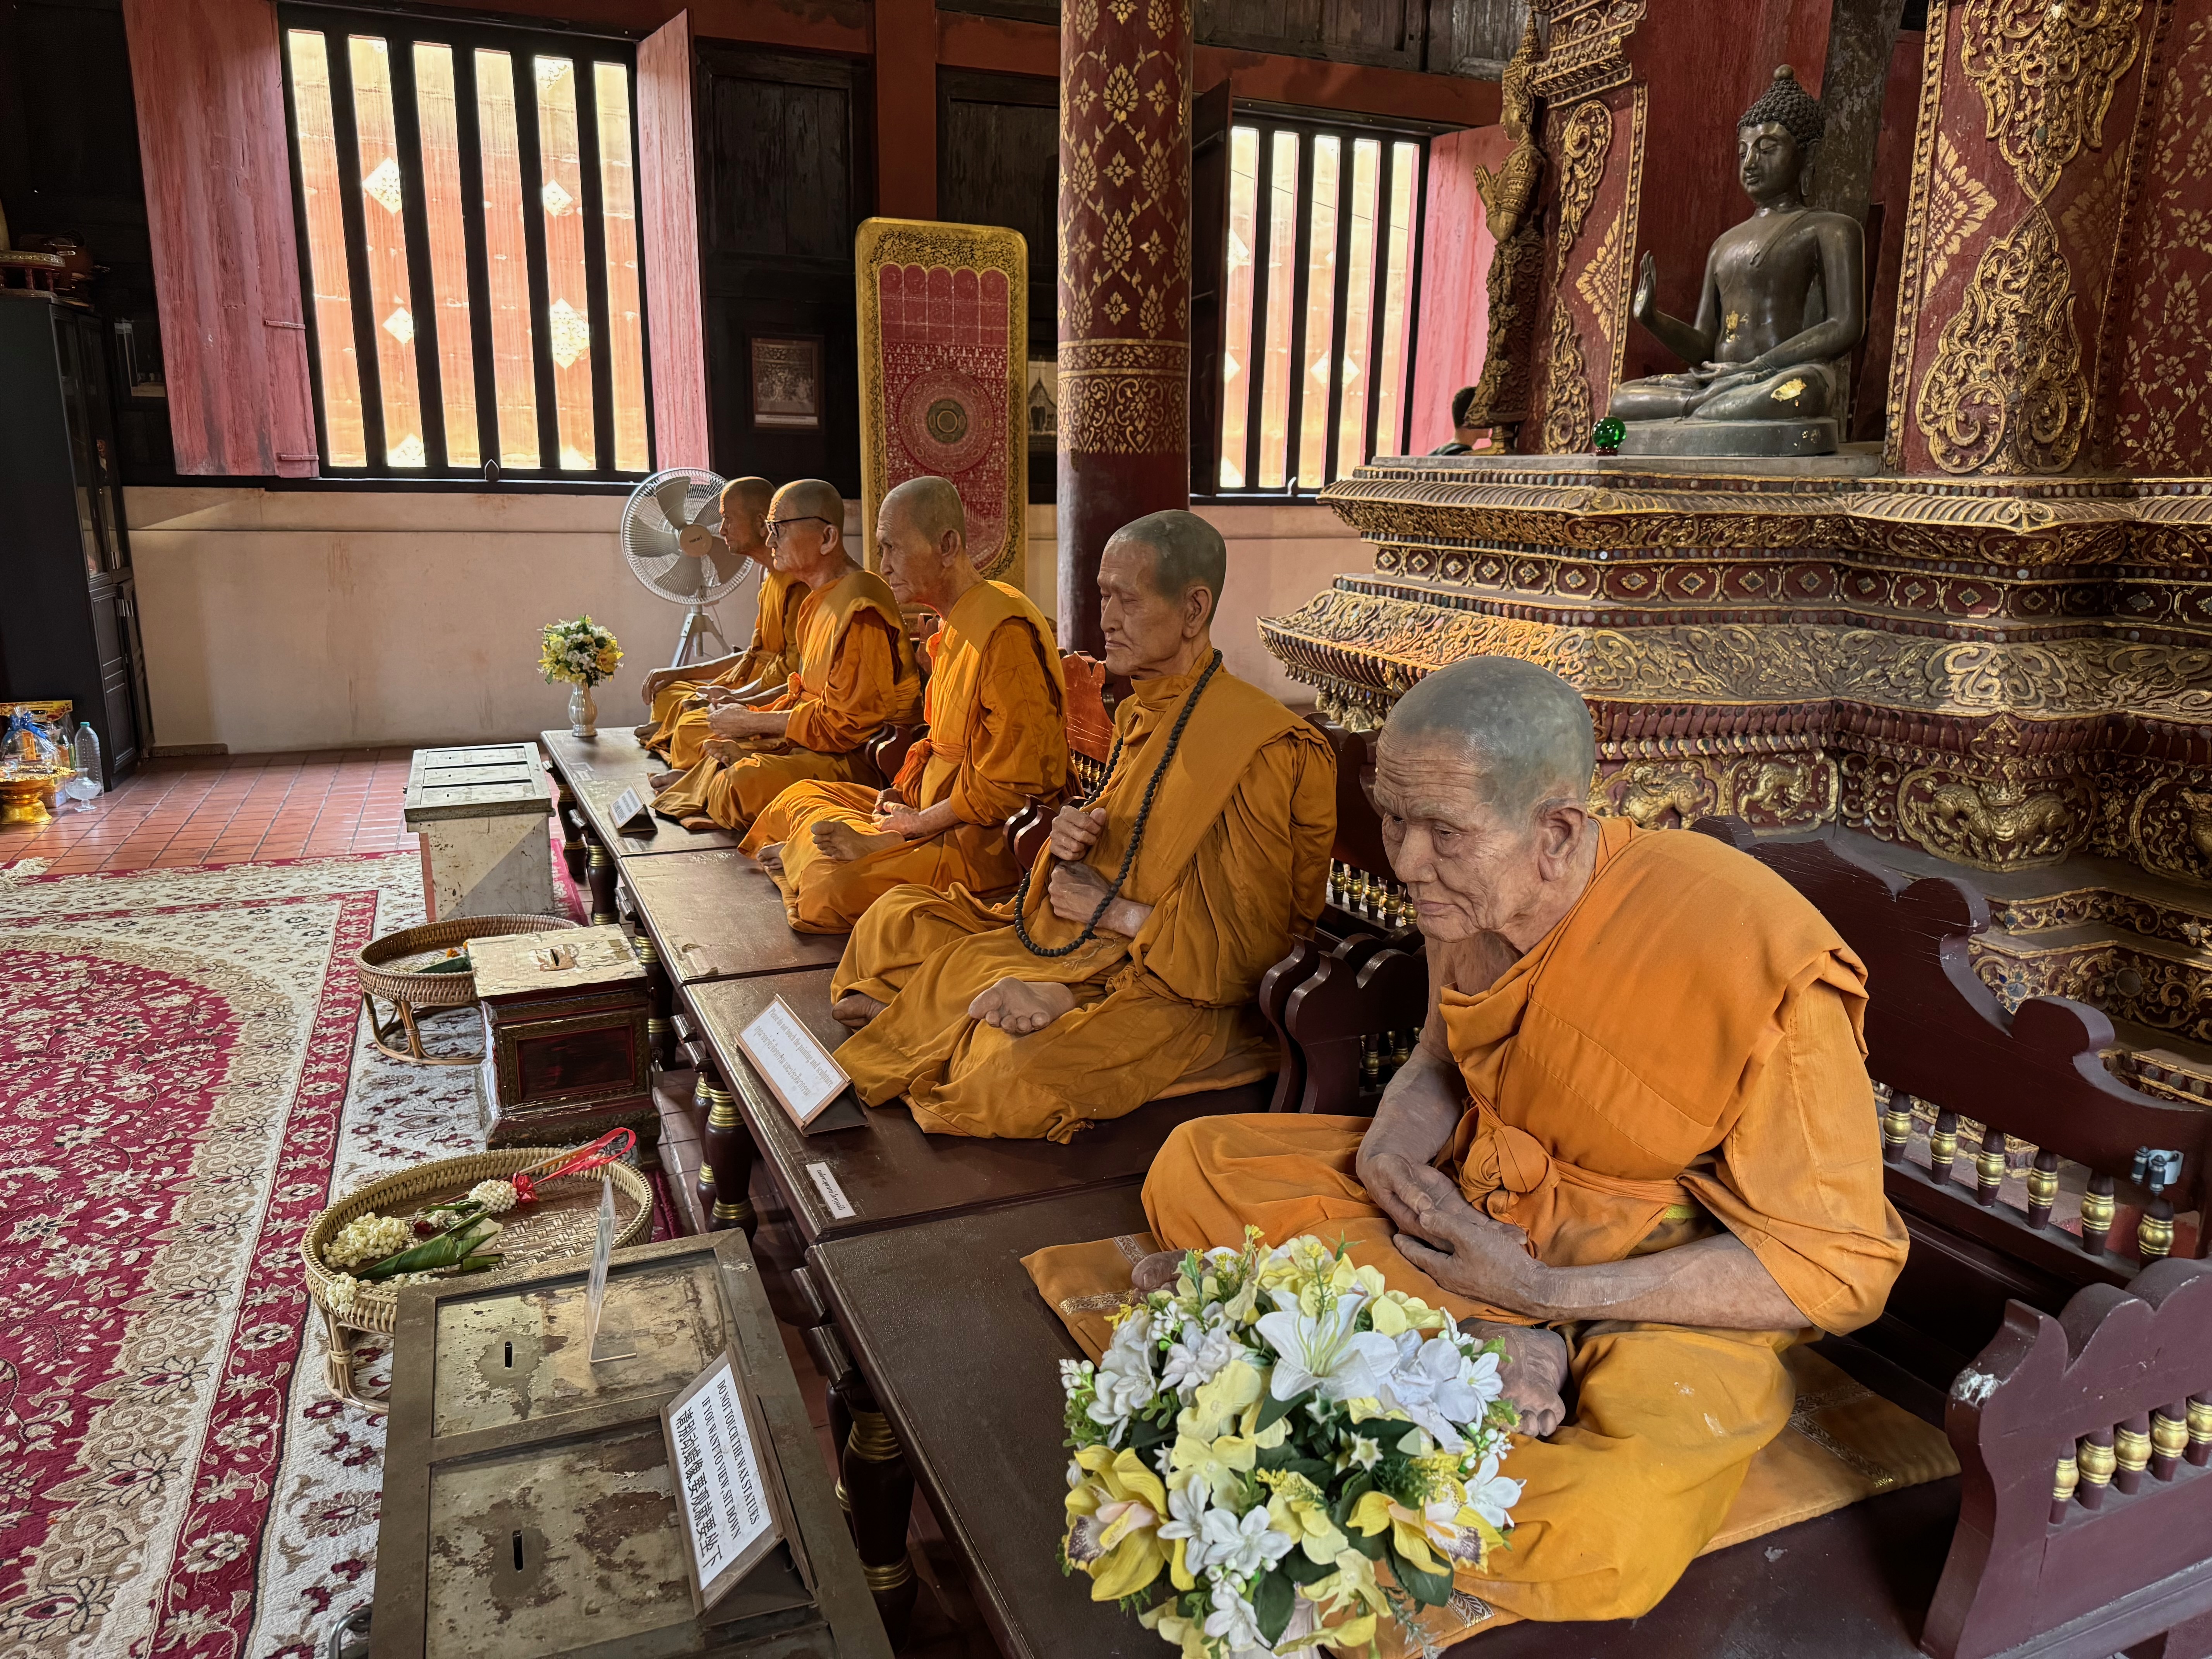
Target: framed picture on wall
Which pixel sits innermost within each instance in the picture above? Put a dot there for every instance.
(1043, 400)
(787, 382)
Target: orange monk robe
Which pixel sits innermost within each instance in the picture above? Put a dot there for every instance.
(996, 708)
(856, 672)
(1681, 1055)
(1233, 859)
(681, 722)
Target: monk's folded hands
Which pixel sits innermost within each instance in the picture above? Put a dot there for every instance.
(1075, 890)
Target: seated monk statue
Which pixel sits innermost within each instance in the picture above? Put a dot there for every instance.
(1123, 968)
(856, 672)
(1777, 317)
(680, 697)
(997, 736)
(1637, 1141)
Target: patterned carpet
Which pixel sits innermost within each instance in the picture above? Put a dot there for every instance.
(182, 1086)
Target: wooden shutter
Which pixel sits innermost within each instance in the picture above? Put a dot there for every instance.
(668, 221)
(1209, 269)
(209, 80)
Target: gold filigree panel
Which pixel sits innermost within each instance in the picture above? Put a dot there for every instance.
(1567, 407)
(2007, 393)
(1602, 284)
(1959, 204)
(2046, 71)
(1585, 142)
(1586, 47)
(1122, 397)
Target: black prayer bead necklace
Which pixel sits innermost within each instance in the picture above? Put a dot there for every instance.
(1136, 835)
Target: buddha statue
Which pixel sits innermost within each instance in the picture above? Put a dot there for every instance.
(1783, 307)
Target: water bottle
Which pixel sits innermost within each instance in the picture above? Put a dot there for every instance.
(86, 785)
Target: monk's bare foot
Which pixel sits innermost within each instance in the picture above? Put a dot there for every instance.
(1018, 1007)
(660, 781)
(842, 843)
(699, 823)
(1156, 1272)
(854, 1009)
(644, 730)
(770, 858)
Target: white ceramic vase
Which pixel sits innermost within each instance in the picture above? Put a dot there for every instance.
(583, 712)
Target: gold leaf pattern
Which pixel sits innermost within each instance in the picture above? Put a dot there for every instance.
(1585, 140)
(1600, 284)
(2007, 392)
(2045, 69)
(1566, 389)
(1959, 204)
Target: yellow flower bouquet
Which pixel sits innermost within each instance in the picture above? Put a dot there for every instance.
(580, 652)
(1296, 1450)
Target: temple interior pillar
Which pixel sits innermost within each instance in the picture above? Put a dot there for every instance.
(1125, 264)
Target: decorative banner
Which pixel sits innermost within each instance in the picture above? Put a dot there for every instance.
(944, 370)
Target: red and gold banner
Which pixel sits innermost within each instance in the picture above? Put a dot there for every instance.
(944, 345)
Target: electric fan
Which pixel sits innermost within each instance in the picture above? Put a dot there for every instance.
(669, 538)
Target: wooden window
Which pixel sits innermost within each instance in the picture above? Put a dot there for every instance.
(1322, 242)
(469, 228)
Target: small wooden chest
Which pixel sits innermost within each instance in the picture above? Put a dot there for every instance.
(565, 1055)
(528, 1502)
(480, 811)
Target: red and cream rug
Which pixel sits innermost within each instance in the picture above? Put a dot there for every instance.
(184, 1083)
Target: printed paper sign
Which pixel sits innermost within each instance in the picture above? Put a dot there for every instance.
(629, 816)
(728, 1516)
(833, 1194)
(804, 1074)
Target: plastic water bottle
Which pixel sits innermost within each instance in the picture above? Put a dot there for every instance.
(85, 788)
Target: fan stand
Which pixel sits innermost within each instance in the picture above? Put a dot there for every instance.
(690, 644)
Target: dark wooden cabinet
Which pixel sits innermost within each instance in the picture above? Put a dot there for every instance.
(69, 617)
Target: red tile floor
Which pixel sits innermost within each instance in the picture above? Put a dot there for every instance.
(245, 808)
(229, 809)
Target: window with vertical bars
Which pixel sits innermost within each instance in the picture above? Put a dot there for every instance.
(469, 242)
(1317, 315)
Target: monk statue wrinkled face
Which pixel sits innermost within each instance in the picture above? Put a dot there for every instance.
(1160, 580)
(745, 517)
(1480, 778)
(922, 540)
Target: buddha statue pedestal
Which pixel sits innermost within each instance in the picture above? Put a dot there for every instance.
(1688, 437)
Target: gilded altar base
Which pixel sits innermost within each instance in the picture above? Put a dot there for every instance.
(2013, 675)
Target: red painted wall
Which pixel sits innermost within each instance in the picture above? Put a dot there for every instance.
(1455, 302)
(1892, 190)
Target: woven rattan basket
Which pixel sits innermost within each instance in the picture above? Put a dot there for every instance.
(391, 968)
(561, 1223)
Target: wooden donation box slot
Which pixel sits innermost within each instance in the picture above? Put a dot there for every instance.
(565, 1053)
(481, 812)
(537, 1502)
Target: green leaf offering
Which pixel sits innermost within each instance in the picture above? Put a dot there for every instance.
(448, 1249)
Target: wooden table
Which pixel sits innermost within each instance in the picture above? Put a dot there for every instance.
(588, 772)
(977, 1409)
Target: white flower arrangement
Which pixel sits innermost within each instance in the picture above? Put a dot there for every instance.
(579, 653)
(1297, 1448)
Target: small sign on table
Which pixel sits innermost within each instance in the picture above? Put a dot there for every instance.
(731, 1519)
(629, 814)
(608, 1341)
(803, 1075)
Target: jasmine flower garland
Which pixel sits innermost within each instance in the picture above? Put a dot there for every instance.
(1280, 1451)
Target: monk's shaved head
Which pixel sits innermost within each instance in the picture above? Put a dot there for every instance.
(810, 498)
(931, 506)
(748, 496)
(1526, 729)
(1187, 552)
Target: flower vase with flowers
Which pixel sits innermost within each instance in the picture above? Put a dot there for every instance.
(579, 653)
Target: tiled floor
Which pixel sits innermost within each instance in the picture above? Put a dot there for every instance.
(233, 809)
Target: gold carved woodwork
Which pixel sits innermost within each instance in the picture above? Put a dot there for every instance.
(1585, 142)
(1508, 193)
(1993, 823)
(1914, 282)
(1784, 792)
(1567, 405)
(2007, 392)
(1586, 51)
(1959, 204)
(2045, 70)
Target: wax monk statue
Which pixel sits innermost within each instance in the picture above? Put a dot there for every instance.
(998, 737)
(1637, 1140)
(856, 671)
(680, 697)
(1123, 969)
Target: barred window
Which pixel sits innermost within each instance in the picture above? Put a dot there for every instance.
(467, 204)
(1317, 301)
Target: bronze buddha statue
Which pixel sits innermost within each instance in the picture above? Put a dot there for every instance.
(1782, 308)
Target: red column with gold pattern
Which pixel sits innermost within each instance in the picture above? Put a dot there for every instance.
(1125, 254)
